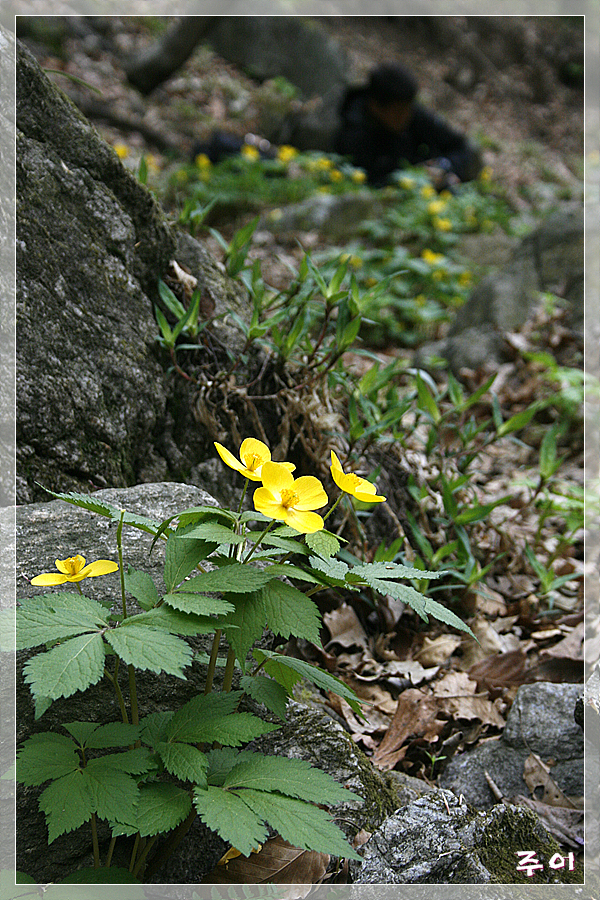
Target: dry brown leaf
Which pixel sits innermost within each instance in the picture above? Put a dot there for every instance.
(456, 698)
(490, 643)
(277, 863)
(435, 652)
(571, 647)
(345, 628)
(375, 722)
(415, 716)
(499, 672)
(537, 774)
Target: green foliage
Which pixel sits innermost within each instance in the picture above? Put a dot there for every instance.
(148, 777)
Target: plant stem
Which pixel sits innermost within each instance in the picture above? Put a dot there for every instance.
(171, 844)
(212, 663)
(257, 544)
(135, 716)
(142, 857)
(95, 842)
(229, 668)
(328, 513)
(136, 844)
(111, 848)
(118, 692)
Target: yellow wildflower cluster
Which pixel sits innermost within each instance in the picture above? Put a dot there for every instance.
(286, 154)
(358, 176)
(442, 224)
(407, 182)
(285, 498)
(122, 150)
(435, 207)
(434, 259)
(250, 153)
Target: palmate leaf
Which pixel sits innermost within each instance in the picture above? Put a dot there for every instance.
(245, 624)
(146, 648)
(222, 761)
(93, 504)
(232, 578)
(69, 667)
(141, 586)
(231, 818)
(175, 622)
(289, 611)
(267, 691)
(184, 761)
(114, 793)
(292, 777)
(46, 618)
(46, 757)
(182, 557)
(288, 670)
(67, 804)
(198, 604)
(323, 543)
(212, 531)
(213, 718)
(160, 808)
(390, 570)
(114, 734)
(302, 824)
(332, 571)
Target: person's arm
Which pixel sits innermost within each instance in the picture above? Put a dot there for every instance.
(444, 147)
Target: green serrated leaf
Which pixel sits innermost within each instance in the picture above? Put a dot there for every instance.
(176, 622)
(188, 721)
(288, 671)
(292, 777)
(213, 532)
(245, 624)
(44, 758)
(323, 543)
(286, 570)
(81, 731)
(333, 571)
(161, 807)
(152, 727)
(303, 825)
(46, 618)
(113, 793)
(69, 667)
(267, 691)
(233, 579)
(64, 816)
(114, 734)
(289, 611)
(198, 604)
(435, 609)
(231, 818)
(141, 586)
(392, 570)
(182, 557)
(184, 761)
(85, 501)
(145, 648)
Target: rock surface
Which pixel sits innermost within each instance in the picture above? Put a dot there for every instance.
(541, 721)
(551, 258)
(96, 407)
(440, 839)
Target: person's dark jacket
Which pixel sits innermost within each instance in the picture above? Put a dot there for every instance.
(372, 147)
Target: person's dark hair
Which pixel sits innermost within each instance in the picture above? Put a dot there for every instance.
(389, 83)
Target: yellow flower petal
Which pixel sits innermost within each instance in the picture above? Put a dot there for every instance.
(229, 459)
(99, 567)
(353, 484)
(311, 494)
(304, 522)
(276, 477)
(70, 566)
(49, 578)
(268, 505)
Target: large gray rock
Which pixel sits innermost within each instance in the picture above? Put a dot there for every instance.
(46, 531)
(440, 839)
(95, 405)
(541, 721)
(551, 258)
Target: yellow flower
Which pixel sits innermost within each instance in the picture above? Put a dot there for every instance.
(286, 153)
(250, 152)
(122, 150)
(292, 501)
(323, 163)
(202, 161)
(431, 257)
(465, 278)
(359, 176)
(428, 191)
(407, 183)
(75, 569)
(485, 174)
(336, 175)
(253, 455)
(352, 484)
(435, 207)
(442, 224)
